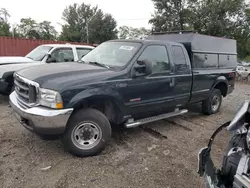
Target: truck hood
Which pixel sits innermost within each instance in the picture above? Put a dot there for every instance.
(13, 67)
(59, 75)
(14, 60)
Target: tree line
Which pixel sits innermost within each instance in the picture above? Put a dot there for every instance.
(86, 23)
(222, 18)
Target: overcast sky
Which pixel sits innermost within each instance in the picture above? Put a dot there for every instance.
(135, 13)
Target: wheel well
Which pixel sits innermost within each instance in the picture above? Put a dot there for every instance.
(222, 87)
(107, 106)
(10, 79)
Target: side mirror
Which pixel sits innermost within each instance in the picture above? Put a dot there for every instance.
(50, 59)
(142, 68)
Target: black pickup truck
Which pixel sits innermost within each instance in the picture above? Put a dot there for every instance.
(124, 82)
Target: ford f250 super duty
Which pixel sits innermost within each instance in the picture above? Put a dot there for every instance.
(124, 82)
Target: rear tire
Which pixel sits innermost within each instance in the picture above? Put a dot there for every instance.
(87, 133)
(212, 104)
(230, 163)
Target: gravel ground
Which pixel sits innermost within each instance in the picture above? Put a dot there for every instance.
(160, 154)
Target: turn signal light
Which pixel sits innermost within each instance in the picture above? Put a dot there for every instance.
(59, 105)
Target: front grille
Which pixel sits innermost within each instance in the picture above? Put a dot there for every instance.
(26, 91)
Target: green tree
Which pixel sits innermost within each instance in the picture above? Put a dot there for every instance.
(47, 31)
(126, 32)
(223, 18)
(4, 25)
(218, 18)
(4, 15)
(4, 29)
(82, 17)
(28, 28)
(170, 15)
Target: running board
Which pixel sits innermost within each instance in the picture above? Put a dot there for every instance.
(154, 118)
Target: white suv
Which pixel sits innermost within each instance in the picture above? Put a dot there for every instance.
(243, 73)
(58, 53)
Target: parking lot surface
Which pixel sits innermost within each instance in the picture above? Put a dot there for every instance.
(160, 154)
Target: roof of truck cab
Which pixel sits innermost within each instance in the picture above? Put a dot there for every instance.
(146, 41)
(68, 45)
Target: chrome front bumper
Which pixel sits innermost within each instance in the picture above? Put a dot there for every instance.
(41, 120)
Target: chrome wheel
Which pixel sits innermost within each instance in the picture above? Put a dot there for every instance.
(86, 135)
(215, 102)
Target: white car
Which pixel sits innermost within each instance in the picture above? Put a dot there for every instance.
(49, 53)
(245, 64)
(243, 73)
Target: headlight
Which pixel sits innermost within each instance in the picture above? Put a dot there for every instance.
(50, 98)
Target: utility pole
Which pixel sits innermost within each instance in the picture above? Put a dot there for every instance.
(87, 26)
(87, 31)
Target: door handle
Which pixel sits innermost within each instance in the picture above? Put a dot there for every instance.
(172, 82)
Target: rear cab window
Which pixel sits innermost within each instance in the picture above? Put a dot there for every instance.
(81, 52)
(180, 61)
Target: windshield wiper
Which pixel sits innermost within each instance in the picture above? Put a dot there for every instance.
(99, 64)
(81, 61)
(30, 57)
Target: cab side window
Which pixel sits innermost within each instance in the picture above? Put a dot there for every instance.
(62, 55)
(158, 56)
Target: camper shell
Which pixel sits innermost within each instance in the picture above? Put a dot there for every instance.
(204, 51)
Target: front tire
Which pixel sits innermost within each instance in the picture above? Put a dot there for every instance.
(212, 104)
(87, 133)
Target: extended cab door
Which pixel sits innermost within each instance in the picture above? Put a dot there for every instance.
(154, 93)
(182, 75)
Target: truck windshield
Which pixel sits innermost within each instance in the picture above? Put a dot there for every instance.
(112, 54)
(38, 53)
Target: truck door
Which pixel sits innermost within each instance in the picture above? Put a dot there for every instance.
(154, 93)
(182, 75)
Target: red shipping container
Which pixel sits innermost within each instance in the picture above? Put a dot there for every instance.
(20, 47)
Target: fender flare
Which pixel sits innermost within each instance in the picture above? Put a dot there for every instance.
(219, 80)
(7, 74)
(6, 77)
(100, 93)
